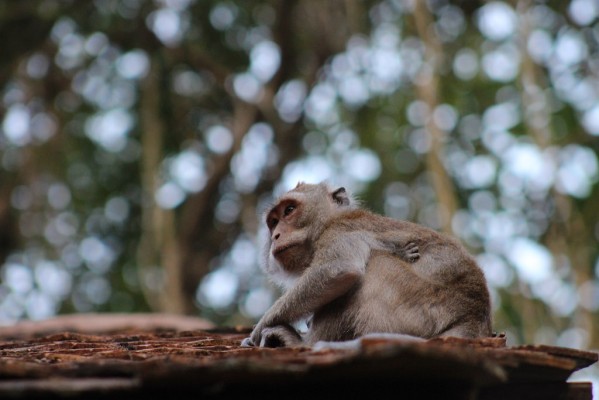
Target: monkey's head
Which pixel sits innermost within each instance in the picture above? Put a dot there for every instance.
(296, 221)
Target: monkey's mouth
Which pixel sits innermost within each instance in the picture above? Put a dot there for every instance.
(281, 249)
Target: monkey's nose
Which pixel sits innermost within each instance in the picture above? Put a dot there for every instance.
(276, 236)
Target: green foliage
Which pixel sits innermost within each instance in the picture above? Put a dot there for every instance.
(140, 141)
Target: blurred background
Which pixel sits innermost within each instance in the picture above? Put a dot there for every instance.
(140, 141)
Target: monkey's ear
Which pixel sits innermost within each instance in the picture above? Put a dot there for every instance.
(341, 197)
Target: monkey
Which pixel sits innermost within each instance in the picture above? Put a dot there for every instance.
(354, 272)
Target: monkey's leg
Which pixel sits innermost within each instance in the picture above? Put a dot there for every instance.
(468, 330)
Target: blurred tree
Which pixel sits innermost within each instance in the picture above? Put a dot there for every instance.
(139, 138)
(171, 87)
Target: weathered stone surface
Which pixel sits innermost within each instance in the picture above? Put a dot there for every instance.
(211, 363)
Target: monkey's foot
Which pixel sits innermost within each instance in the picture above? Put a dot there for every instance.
(280, 336)
(247, 342)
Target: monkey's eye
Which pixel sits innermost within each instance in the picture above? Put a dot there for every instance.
(272, 223)
(288, 210)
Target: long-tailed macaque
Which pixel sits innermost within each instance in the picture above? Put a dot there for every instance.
(355, 272)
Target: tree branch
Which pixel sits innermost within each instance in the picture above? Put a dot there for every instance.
(427, 86)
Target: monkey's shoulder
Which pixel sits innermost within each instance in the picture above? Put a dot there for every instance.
(360, 219)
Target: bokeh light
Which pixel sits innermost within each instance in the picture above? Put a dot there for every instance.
(135, 141)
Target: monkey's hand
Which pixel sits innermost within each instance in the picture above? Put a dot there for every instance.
(256, 335)
(409, 252)
(399, 244)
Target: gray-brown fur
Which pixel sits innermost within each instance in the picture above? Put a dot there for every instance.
(355, 272)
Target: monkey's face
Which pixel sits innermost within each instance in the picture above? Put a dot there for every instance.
(297, 220)
(289, 243)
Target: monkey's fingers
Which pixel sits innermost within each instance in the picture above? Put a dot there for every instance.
(412, 252)
(247, 342)
(256, 335)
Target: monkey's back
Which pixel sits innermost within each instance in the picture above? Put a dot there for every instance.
(442, 258)
(443, 293)
(410, 303)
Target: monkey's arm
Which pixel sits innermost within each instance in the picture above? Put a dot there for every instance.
(334, 270)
